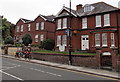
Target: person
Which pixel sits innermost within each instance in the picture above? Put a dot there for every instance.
(17, 53)
(28, 52)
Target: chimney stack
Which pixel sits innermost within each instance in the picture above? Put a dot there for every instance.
(78, 7)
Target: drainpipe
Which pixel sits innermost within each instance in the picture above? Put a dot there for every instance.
(118, 32)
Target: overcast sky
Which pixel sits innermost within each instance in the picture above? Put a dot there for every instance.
(30, 9)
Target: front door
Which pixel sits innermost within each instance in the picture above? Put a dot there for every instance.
(85, 42)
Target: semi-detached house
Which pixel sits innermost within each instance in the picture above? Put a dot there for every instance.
(93, 25)
(40, 29)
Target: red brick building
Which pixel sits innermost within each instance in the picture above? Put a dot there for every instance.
(93, 25)
(42, 28)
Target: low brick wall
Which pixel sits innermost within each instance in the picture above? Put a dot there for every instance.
(78, 60)
(118, 63)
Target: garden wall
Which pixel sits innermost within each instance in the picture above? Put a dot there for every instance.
(79, 60)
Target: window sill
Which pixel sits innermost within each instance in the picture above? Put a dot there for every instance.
(59, 29)
(106, 25)
(97, 46)
(64, 28)
(104, 46)
(84, 28)
(98, 26)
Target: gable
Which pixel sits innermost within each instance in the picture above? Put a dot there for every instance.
(40, 18)
(19, 22)
(66, 11)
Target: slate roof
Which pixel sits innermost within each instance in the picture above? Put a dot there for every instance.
(49, 17)
(25, 20)
(100, 7)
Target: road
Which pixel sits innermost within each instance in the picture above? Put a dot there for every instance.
(21, 70)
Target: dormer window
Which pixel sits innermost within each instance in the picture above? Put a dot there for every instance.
(88, 8)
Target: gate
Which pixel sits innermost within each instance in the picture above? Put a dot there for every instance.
(106, 60)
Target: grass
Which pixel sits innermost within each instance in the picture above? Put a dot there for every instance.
(55, 52)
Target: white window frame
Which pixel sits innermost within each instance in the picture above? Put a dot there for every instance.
(29, 27)
(37, 26)
(106, 19)
(59, 24)
(112, 39)
(41, 37)
(42, 25)
(97, 39)
(58, 40)
(84, 23)
(104, 39)
(36, 38)
(98, 21)
(64, 40)
(64, 23)
(18, 28)
(22, 28)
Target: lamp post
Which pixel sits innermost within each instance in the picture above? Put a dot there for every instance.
(70, 46)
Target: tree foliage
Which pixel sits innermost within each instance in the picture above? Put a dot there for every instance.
(6, 27)
(47, 44)
(9, 40)
(27, 39)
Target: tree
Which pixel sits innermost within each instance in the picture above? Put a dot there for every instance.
(47, 44)
(27, 39)
(6, 27)
(9, 40)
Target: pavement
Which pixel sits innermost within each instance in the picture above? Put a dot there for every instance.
(99, 72)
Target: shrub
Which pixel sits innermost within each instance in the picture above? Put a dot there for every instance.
(27, 39)
(35, 45)
(9, 40)
(47, 44)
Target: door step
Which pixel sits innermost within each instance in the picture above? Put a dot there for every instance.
(107, 68)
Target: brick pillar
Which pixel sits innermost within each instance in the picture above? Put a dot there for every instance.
(114, 53)
(98, 57)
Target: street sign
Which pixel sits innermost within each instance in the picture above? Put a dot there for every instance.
(68, 31)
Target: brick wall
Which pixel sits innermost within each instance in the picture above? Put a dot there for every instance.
(118, 63)
(78, 60)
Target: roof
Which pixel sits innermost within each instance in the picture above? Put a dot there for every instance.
(100, 7)
(48, 18)
(73, 12)
(25, 20)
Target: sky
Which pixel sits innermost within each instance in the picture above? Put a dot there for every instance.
(13, 10)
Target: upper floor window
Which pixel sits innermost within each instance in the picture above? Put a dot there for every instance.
(36, 38)
(59, 24)
(58, 40)
(37, 26)
(64, 40)
(107, 20)
(22, 28)
(98, 21)
(84, 23)
(97, 39)
(65, 23)
(112, 39)
(42, 25)
(104, 39)
(29, 27)
(88, 7)
(41, 37)
(18, 28)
